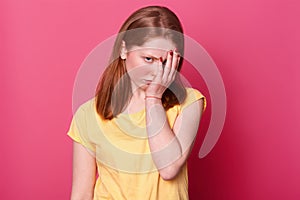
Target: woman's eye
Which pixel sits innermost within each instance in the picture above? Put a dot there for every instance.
(148, 59)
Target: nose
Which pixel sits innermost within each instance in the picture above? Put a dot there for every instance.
(154, 69)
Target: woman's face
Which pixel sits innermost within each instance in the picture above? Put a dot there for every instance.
(142, 61)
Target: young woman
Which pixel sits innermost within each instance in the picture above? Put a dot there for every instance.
(132, 140)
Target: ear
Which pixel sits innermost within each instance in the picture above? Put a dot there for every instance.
(123, 53)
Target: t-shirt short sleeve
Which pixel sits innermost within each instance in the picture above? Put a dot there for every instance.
(192, 96)
(78, 129)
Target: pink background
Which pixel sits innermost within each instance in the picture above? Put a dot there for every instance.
(254, 43)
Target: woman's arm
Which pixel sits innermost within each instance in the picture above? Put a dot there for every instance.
(84, 173)
(170, 147)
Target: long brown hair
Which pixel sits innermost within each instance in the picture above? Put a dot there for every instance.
(114, 91)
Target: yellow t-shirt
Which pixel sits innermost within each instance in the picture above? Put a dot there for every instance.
(125, 166)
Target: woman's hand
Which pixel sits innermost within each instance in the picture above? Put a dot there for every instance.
(165, 75)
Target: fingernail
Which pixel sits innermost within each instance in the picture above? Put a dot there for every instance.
(171, 53)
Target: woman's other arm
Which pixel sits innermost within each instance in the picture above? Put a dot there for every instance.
(84, 173)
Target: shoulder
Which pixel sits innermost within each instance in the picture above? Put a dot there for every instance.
(192, 92)
(86, 107)
(192, 95)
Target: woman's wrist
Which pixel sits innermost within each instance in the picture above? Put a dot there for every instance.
(150, 100)
(152, 97)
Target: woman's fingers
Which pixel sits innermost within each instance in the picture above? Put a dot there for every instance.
(168, 67)
(166, 74)
(160, 72)
(178, 58)
(175, 64)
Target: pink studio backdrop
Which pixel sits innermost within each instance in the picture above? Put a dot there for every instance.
(255, 45)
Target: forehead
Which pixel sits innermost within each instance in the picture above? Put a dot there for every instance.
(159, 44)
